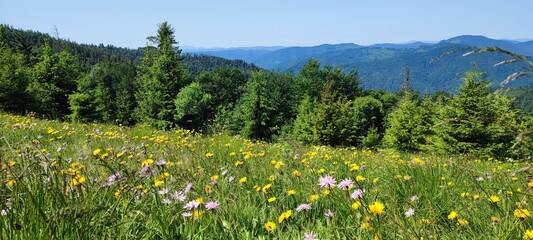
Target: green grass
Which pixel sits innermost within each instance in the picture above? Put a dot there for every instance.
(52, 187)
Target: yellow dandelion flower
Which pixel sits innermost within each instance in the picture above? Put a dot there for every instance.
(494, 199)
(475, 196)
(272, 199)
(272, 178)
(97, 152)
(296, 173)
(462, 221)
(356, 205)
(366, 226)
(284, 216)
(147, 162)
(270, 226)
(522, 213)
(237, 163)
(375, 181)
(12, 163)
(10, 183)
(494, 219)
(359, 178)
(243, 179)
(208, 189)
(313, 197)
(425, 221)
(159, 183)
(291, 192)
(266, 188)
(528, 234)
(376, 208)
(325, 192)
(530, 184)
(452, 215)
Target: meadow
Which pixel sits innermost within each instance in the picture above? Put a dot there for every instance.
(90, 181)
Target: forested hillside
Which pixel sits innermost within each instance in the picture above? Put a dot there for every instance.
(318, 104)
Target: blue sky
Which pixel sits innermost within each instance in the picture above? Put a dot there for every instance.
(244, 23)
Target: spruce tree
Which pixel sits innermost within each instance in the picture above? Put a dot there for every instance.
(160, 78)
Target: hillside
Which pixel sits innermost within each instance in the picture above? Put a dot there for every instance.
(29, 42)
(381, 65)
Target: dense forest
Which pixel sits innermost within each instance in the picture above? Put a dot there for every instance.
(158, 86)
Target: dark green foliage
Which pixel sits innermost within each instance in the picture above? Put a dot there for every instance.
(192, 107)
(106, 94)
(368, 119)
(53, 78)
(476, 121)
(304, 127)
(264, 107)
(334, 124)
(13, 79)
(407, 125)
(161, 76)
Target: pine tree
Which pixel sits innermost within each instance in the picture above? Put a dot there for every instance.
(160, 78)
(54, 77)
(13, 79)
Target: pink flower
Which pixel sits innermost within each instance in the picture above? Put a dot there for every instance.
(358, 193)
(345, 184)
(192, 205)
(305, 206)
(327, 181)
(211, 205)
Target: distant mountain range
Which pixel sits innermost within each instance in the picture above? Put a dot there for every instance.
(381, 65)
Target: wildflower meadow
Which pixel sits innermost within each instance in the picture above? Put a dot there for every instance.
(88, 181)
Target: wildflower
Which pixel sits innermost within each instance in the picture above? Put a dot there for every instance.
(208, 189)
(163, 191)
(345, 184)
(243, 180)
(375, 181)
(358, 193)
(187, 214)
(494, 219)
(310, 236)
(522, 213)
(3, 212)
(284, 216)
(359, 178)
(414, 198)
(178, 196)
(161, 162)
(214, 179)
(291, 192)
(528, 234)
(376, 208)
(211, 205)
(462, 221)
(479, 179)
(327, 181)
(366, 226)
(313, 197)
(209, 154)
(237, 163)
(425, 220)
(187, 188)
(266, 188)
(147, 162)
(452, 215)
(296, 173)
(530, 184)
(192, 205)
(354, 167)
(166, 201)
(279, 164)
(97, 152)
(159, 183)
(410, 212)
(10, 183)
(328, 213)
(270, 226)
(494, 199)
(325, 192)
(304, 206)
(231, 178)
(356, 205)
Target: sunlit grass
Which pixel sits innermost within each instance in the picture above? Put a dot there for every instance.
(84, 181)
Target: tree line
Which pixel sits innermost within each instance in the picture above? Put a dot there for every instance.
(317, 105)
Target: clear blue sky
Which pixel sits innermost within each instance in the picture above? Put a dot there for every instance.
(244, 23)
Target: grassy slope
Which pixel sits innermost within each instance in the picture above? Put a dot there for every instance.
(52, 186)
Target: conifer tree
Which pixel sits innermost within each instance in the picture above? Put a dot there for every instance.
(160, 78)
(53, 78)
